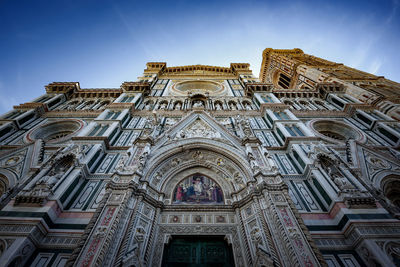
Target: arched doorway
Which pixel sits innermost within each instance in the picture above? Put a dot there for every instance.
(198, 225)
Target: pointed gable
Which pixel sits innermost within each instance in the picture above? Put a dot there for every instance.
(198, 124)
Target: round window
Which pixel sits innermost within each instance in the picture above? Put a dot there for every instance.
(336, 131)
(55, 131)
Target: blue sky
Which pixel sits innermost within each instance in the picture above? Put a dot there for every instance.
(103, 43)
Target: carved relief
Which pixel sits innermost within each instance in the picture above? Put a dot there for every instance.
(38, 192)
(198, 129)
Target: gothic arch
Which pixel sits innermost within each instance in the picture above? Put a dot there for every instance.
(65, 161)
(281, 79)
(221, 162)
(170, 179)
(274, 76)
(384, 176)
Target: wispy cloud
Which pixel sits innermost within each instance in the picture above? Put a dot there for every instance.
(375, 66)
(393, 11)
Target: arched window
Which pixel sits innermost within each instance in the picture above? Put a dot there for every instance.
(284, 81)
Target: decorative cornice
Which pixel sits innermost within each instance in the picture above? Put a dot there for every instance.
(225, 70)
(72, 113)
(62, 87)
(96, 93)
(141, 87)
(121, 106)
(251, 88)
(31, 105)
(273, 106)
(318, 113)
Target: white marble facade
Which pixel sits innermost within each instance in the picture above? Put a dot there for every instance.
(108, 177)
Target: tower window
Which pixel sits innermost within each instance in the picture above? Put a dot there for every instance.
(284, 81)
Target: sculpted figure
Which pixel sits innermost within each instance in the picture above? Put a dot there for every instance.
(84, 149)
(148, 127)
(175, 162)
(253, 163)
(122, 163)
(157, 178)
(142, 161)
(341, 182)
(52, 177)
(178, 106)
(148, 106)
(244, 123)
(169, 122)
(198, 104)
(237, 177)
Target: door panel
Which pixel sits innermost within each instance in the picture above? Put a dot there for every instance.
(197, 251)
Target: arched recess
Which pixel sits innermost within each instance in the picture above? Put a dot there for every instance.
(3, 246)
(171, 184)
(380, 178)
(8, 178)
(335, 131)
(3, 184)
(390, 187)
(219, 161)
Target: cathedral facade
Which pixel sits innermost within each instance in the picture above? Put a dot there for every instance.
(206, 166)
